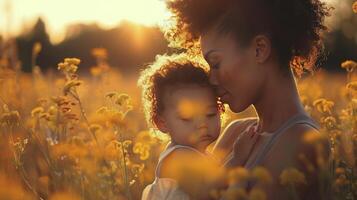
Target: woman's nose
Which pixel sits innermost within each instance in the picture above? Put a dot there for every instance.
(213, 77)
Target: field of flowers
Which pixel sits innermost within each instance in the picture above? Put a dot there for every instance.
(64, 136)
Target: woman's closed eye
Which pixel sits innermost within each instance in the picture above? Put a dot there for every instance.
(215, 66)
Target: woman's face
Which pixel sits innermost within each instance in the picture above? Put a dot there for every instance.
(234, 70)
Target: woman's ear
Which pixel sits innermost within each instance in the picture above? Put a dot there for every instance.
(161, 124)
(262, 48)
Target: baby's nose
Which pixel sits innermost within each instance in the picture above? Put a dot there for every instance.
(201, 122)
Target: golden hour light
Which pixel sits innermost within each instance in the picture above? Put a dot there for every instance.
(178, 99)
(59, 14)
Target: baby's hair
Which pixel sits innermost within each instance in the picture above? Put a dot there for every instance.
(167, 72)
(293, 26)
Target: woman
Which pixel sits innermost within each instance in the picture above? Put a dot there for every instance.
(251, 47)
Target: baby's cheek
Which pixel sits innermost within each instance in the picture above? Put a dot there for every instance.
(217, 130)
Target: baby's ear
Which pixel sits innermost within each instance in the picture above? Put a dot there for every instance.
(161, 124)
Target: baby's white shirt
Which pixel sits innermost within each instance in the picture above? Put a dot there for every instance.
(166, 188)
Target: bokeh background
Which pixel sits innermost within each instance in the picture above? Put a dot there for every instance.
(128, 30)
(77, 130)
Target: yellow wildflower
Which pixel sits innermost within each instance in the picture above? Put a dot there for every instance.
(113, 151)
(312, 137)
(70, 65)
(349, 65)
(238, 175)
(137, 168)
(77, 141)
(354, 7)
(352, 86)
(234, 193)
(61, 66)
(70, 84)
(6, 108)
(323, 105)
(330, 122)
(42, 102)
(292, 176)
(127, 143)
(72, 61)
(262, 175)
(116, 118)
(45, 116)
(142, 150)
(96, 71)
(10, 118)
(72, 68)
(354, 103)
(52, 110)
(102, 110)
(94, 128)
(111, 94)
(37, 111)
(257, 194)
(123, 99)
(100, 53)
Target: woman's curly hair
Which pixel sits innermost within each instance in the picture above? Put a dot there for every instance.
(293, 26)
(164, 74)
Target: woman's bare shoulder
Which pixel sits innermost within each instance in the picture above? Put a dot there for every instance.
(298, 149)
(225, 141)
(299, 140)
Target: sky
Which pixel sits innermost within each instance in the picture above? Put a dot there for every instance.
(58, 14)
(19, 15)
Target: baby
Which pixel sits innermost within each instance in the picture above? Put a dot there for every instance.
(180, 101)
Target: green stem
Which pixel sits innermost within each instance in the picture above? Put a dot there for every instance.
(19, 165)
(126, 181)
(293, 192)
(75, 95)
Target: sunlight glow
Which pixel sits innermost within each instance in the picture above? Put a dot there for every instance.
(58, 14)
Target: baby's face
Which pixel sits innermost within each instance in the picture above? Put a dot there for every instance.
(191, 116)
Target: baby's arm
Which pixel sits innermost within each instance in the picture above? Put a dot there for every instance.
(196, 174)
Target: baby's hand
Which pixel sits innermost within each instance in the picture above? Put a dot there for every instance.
(243, 145)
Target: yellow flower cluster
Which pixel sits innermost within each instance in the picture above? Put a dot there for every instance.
(10, 118)
(354, 7)
(292, 176)
(70, 65)
(349, 65)
(323, 105)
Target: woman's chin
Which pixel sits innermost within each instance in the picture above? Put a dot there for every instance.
(237, 108)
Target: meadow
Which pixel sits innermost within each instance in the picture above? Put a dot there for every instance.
(68, 135)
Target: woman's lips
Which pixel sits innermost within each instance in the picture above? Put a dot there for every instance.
(224, 97)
